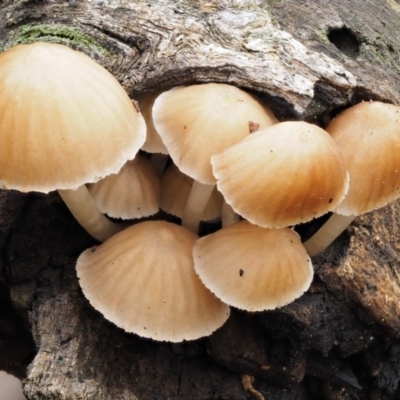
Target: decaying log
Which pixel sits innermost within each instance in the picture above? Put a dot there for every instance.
(307, 60)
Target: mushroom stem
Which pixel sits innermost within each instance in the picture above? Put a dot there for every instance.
(229, 216)
(83, 208)
(196, 202)
(159, 161)
(332, 228)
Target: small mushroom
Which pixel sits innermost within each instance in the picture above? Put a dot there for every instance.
(289, 173)
(134, 192)
(253, 268)
(143, 280)
(153, 143)
(368, 138)
(64, 121)
(198, 121)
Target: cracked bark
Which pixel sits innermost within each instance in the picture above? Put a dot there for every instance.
(340, 340)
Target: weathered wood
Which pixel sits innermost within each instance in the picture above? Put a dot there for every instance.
(162, 44)
(307, 60)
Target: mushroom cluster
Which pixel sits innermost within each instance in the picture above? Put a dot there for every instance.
(212, 152)
(229, 160)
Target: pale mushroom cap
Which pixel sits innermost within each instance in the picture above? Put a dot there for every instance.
(289, 173)
(253, 268)
(175, 190)
(153, 143)
(143, 280)
(368, 137)
(198, 121)
(64, 120)
(134, 192)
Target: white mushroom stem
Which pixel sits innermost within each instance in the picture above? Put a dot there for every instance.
(332, 228)
(159, 161)
(85, 211)
(229, 216)
(196, 203)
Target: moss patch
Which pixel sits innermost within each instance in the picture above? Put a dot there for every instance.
(55, 33)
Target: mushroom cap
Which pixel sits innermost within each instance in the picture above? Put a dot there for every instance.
(175, 190)
(253, 268)
(289, 173)
(368, 137)
(134, 192)
(143, 280)
(153, 143)
(198, 121)
(64, 119)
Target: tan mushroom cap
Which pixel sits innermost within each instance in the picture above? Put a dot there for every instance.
(289, 173)
(143, 280)
(198, 121)
(153, 143)
(134, 192)
(253, 268)
(368, 137)
(64, 120)
(175, 190)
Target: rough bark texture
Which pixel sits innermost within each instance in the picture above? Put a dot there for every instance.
(308, 60)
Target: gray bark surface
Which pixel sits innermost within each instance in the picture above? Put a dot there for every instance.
(307, 60)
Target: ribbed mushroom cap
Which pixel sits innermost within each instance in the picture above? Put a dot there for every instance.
(134, 192)
(289, 173)
(253, 268)
(64, 120)
(153, 143)
(175, 189)
(198, 121)
(368, 137)
(143, 280)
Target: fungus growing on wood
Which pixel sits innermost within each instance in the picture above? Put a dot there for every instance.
(143, 280)
(253, 268)
(289, 173)
(368, 138)
(64, 121)
(134, 192)
(198, 121)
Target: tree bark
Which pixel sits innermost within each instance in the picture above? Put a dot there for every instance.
(307, 60)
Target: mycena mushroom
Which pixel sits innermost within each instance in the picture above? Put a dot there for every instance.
(368, 138)
(64, 121)
(143, 280)
(197, 121)
(134, 192)
(253, 268)
(153, 143)
(286, 174)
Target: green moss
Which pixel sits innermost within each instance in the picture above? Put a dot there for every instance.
(55, 33)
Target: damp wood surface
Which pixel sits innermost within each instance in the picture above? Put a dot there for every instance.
(307, 60)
